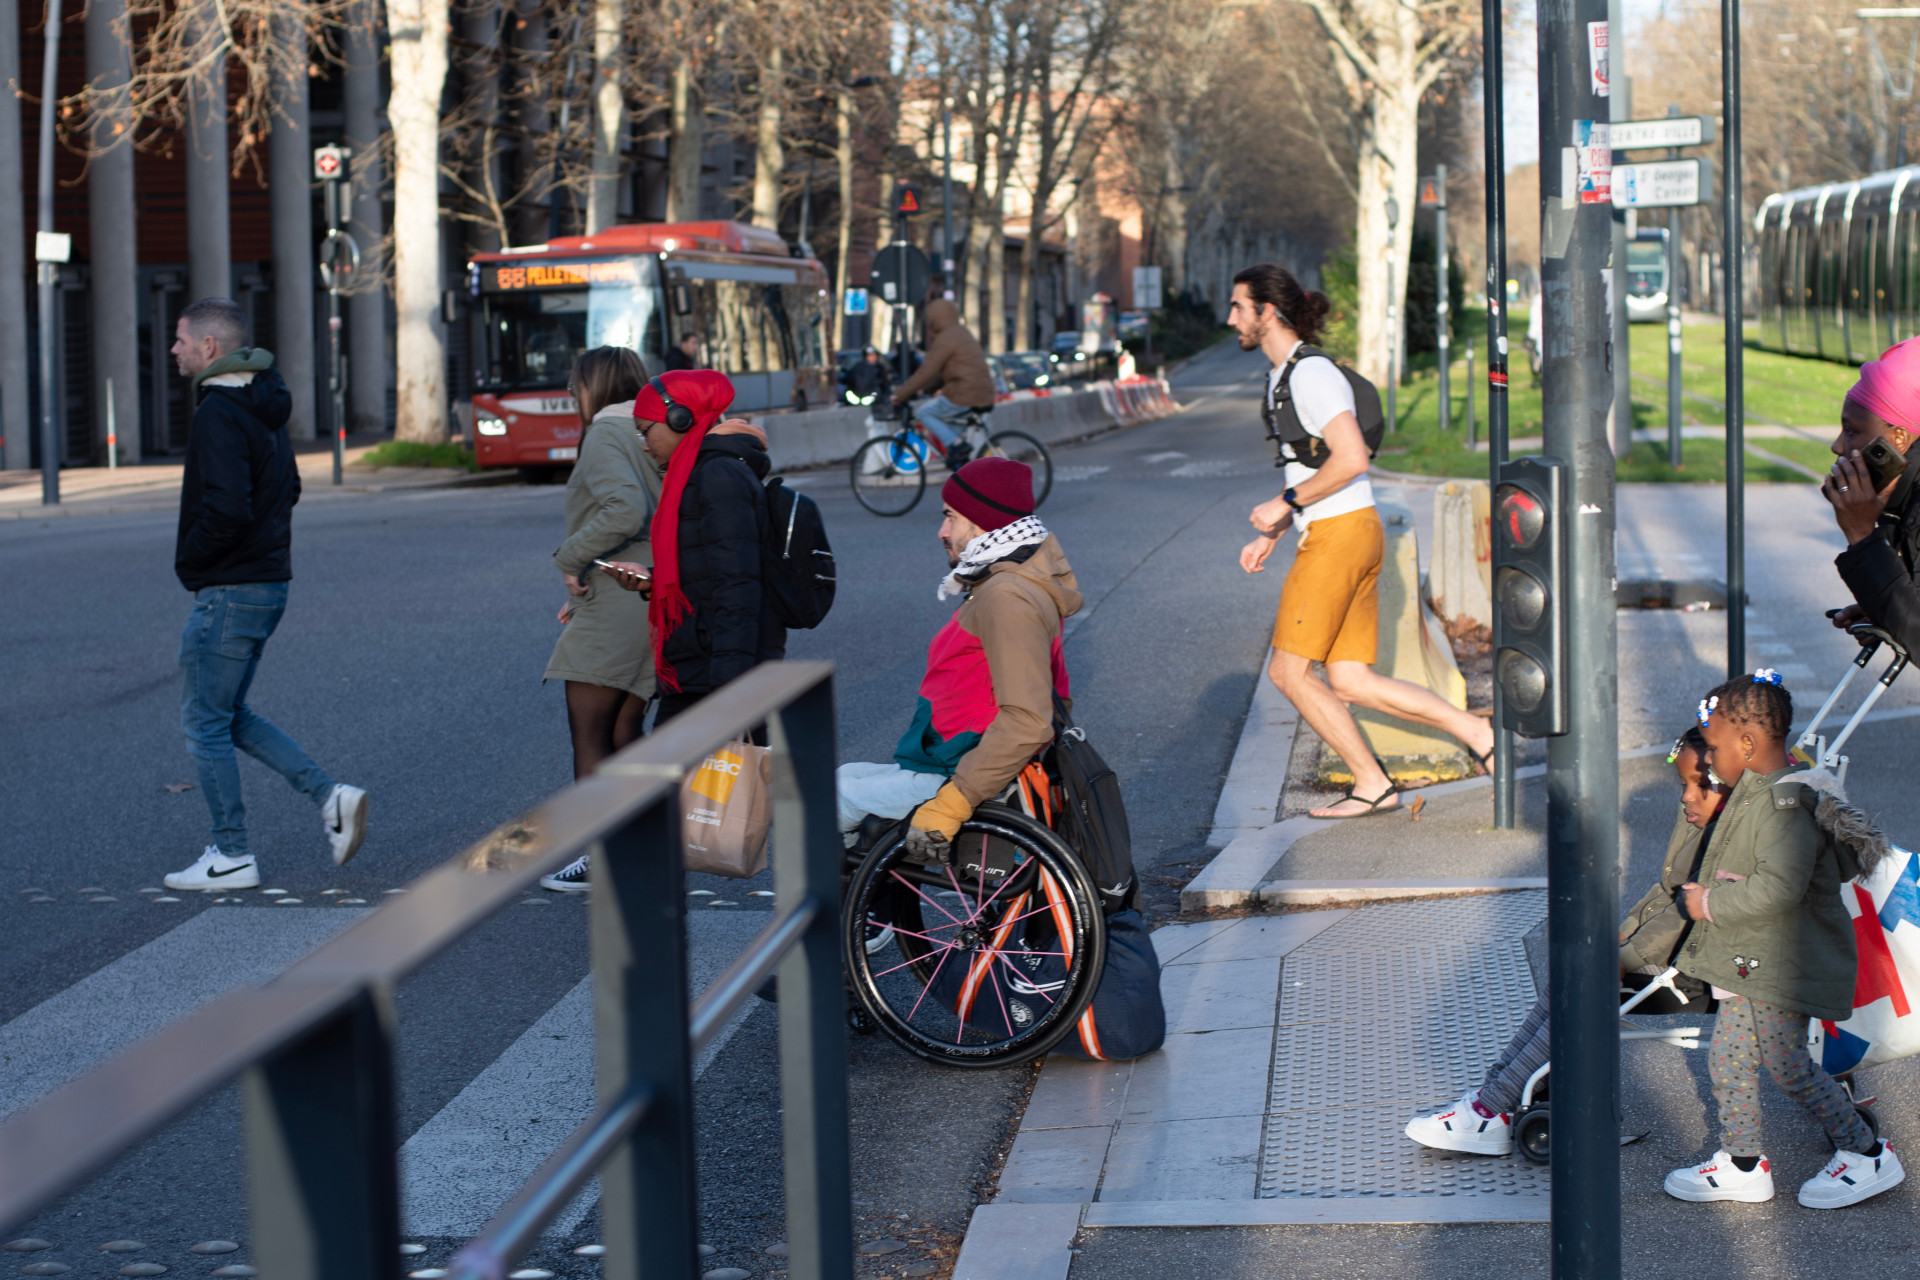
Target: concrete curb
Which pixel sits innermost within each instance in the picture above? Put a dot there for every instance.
(146, 500)
(1315, 893)
(1019, 1242)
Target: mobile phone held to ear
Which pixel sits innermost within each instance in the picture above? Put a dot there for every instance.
(1884, 462)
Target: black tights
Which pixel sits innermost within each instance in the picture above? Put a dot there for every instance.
(602, 721)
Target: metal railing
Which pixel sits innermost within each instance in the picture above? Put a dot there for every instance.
(314, 1048)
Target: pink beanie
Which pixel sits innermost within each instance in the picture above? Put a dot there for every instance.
(1890, 386)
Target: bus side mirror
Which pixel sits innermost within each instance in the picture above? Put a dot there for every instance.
(682, 298)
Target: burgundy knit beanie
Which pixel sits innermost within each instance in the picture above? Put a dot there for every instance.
(991, 492)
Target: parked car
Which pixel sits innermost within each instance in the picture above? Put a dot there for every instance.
(1022, 371)
(1070, 359)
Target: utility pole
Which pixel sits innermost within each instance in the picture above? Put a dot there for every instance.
(1393, 322)
(49, 250)
(1493, 78)
(1619, 107)
(1731, 282)
(946, 199)
(1673, 320)
(1442, 318)
(1583, 782)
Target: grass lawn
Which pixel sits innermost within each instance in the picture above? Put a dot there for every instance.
(1788, 390)
(412, 453)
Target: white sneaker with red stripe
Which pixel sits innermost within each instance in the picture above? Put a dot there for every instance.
(1851, 1177)
(1465, 1126)
(1721, 1179)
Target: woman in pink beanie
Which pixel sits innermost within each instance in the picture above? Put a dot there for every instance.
(1881, 522)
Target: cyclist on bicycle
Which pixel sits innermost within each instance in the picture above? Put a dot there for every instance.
(957, 368)
(986, 701)
(867, 379)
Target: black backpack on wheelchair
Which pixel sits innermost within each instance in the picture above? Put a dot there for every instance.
(1093, 812)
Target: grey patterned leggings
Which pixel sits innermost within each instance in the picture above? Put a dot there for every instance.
(1526, 1053)
(1747, 1033)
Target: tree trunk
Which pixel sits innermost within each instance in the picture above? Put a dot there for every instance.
(417, 35)
(769, 159)
(1388, 167)
(1174, 213)
(368, 361)
(609, 114)
(209, 248)
(1021, 338)
(843, 160)
(996, 334)
(689, 140)
(16, 423)
(114, 282)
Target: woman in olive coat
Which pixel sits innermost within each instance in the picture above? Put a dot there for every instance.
(605, 654)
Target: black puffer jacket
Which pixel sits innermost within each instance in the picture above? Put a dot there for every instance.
(240, 482)
(1879, 569)
(723, 525)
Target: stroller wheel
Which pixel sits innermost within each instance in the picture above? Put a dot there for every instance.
(1532, 1133)
(859, 1023)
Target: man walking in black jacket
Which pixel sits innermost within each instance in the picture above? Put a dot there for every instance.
(232, 552)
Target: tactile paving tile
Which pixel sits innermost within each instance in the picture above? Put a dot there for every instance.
(1361, 1151)
(1394, 1010)
(1481, 918)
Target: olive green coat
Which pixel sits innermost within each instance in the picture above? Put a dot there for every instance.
(1652, 930)
(1776, 931)
(609, 505)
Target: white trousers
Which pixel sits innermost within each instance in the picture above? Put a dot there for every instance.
(885, 790)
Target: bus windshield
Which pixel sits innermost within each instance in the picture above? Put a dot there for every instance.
(538, 316)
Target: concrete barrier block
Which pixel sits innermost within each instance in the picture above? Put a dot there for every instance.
(1460, 579)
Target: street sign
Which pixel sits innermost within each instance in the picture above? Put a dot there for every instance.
(906, 200)
(1673, 131)
(856, 302)
(886, 275)
(52, 246)
(1146, 288)
(1666, 184)
(1432, 194)
(330, 163)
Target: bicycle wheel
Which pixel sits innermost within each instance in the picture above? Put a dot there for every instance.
(993, 958)
(1022, 447)
(890, 473)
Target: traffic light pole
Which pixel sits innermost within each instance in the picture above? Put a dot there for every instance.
(1583, 785)
(902, 310)
(1732, 278)
(1493, 59)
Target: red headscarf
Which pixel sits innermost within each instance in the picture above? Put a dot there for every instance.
(708, 394)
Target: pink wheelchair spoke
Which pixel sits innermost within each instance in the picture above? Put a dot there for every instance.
(945, 942)
(930, 900)
(944, 956)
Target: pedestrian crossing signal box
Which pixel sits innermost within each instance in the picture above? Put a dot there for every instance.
(1530, 596)
(906, 201)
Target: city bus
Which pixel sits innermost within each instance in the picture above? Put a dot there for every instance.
(1647, 275)
(761, 317)
(1840, 267)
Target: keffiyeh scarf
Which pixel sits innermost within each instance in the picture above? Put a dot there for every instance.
(988, 550)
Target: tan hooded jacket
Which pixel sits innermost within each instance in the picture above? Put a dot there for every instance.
(955, 366)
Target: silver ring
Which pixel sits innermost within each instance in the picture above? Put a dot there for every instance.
(1843, 488)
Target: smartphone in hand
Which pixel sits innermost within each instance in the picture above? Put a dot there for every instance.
(1884, 462)
(638, 570)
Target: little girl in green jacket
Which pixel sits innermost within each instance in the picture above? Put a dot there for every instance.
(1772, 936)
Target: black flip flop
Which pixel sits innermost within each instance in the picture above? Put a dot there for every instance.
(1373, 808)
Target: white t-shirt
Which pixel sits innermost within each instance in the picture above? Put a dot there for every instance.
(1321, 393)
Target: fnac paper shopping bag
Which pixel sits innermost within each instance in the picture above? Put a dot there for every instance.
(725, 810)
(1886, 997)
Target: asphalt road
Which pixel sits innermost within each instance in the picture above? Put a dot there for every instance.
(409, 663)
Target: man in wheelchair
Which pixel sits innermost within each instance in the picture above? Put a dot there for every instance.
(986, 701)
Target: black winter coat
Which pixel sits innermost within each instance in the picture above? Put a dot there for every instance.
(1879, 569)
(723, 526)
(239, 487)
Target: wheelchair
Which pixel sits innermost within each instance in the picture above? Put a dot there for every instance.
(985, 960)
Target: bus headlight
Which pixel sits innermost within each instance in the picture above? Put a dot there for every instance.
(488, 425)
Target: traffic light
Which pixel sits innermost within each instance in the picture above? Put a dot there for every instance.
(1530, 596)
(906, 200)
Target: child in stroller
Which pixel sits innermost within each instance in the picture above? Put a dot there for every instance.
(1481, 1123)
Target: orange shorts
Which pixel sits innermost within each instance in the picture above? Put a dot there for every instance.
(1330, 603)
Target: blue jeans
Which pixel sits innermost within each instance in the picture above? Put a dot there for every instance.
(219, 651)
(938, 415)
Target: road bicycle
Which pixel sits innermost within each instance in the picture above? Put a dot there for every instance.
(890, 470)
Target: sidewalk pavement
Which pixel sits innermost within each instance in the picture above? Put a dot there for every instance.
(156, 486)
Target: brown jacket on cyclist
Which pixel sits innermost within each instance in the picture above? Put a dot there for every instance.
(955, 366)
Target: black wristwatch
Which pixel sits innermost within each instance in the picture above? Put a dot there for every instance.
(1293, 502)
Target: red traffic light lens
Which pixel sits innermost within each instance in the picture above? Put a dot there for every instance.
(1519, 517)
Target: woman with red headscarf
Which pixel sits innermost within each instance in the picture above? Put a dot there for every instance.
(1881, 522)
(710, 616)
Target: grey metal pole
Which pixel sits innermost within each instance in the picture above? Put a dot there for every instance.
(49, 273)
(1469, 392)
(1583, 783)
(902, 316)
(1620, 107)
(113, 277)
(16, 368)
(1393, 323)
(290, 161)
(1673, 320)
(209, 244)
(1493, 60)
(1442, 320)
(946, 198)
(367, 367)
(1731, 281)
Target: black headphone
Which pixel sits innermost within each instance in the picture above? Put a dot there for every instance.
(679, 417)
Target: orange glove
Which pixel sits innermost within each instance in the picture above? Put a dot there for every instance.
(935, 823)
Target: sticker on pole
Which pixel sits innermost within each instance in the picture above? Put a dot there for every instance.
(1597, 57)
(330, 163)
(1593, 162)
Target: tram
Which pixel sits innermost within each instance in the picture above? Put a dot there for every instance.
(760, 315)
(1839, 274)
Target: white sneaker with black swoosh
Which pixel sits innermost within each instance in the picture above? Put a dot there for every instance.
(216, 871)
(345, 814)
